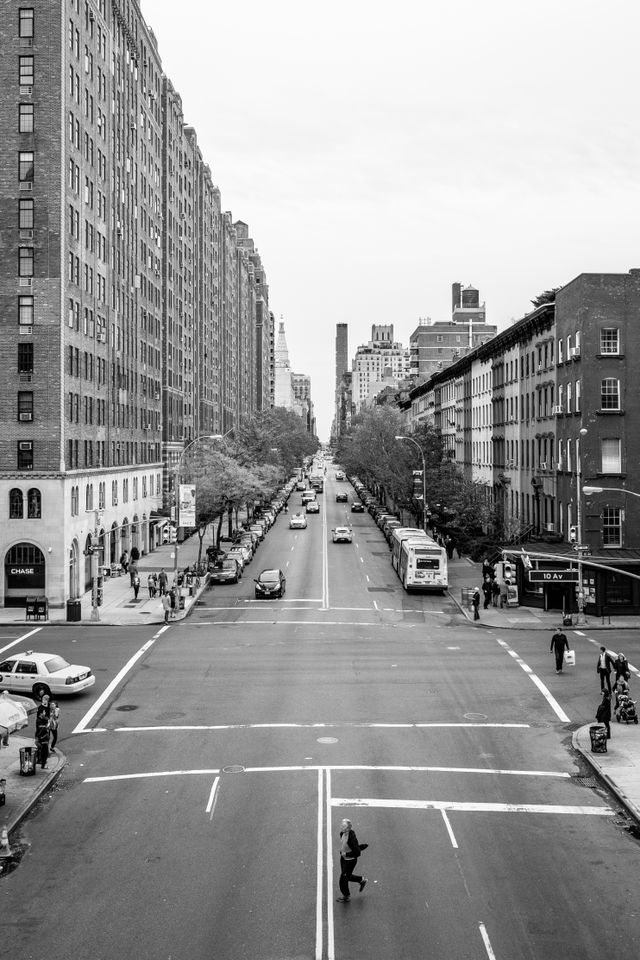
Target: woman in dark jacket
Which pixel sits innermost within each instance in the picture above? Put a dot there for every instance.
(603, 713)
(350, 850)
(621, 667)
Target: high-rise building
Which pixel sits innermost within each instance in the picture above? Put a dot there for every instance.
(434, 345)
(342, 366)
(283, 389)
(130, 302)
(376, 364)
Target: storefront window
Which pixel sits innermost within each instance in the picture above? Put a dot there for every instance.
(617, 590)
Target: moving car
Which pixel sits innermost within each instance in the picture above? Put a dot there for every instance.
(312, 506)
(341, 498)
(301, 485)
(307, 496)
(339, 475)
(226, 570)
(270, 583)
(357, 507)
(298, 521)
(342, 535)
(36, 674)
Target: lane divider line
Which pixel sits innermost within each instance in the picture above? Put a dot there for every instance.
(551, 700)
(213, 798)
(331, 947)
(447, 823)
(320, 865)
(83, 725)
(25, 636)
(486, 941)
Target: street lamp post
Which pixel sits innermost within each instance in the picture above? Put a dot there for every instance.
(177, 469)
(424, 479)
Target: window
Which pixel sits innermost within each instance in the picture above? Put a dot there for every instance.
(611, 456)
(25, 214)
(25, 22)
(25, 265)
(34, 504)
(25, 358)
(569, 397)
(74, 501)
(611, 527)
(25, 118)
(25, 310)
(25, 454)
(610, 394)
(16, 508)
(26, 71)
(578, 395)
(25, 166)
(609, 340)
(25, 406)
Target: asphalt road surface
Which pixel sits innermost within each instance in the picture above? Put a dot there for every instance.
(211, 766)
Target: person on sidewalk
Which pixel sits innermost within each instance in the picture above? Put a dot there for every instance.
(163, 582)
(621, 666)
(603, 667)
(166, 606)
(603, 713)
(504, 593)
(495, 592)
(559, 644)
(620, 688)
(124, 561)
(136, 586)
(152, 585)
(487, 568)
(42, 737)
(54, 720)
(475, 602)
(486, 589)
(350, 850)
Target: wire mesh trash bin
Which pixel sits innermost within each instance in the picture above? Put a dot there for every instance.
(74, 611)
(27, 761)
(598, 734)
(467, 596)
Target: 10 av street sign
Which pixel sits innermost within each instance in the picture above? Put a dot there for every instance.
(553, 576)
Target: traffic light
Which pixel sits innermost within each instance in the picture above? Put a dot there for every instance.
(573, 534)
(417, 485)
(507, 570)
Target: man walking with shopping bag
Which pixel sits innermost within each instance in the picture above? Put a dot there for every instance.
(559, 644)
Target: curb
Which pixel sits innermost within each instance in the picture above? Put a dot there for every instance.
(629, 806)
(43, 785)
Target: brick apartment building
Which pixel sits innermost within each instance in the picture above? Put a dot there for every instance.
(132, 318)
(542, 410)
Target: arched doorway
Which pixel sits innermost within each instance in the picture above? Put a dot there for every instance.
(24, 574)
(74, 586)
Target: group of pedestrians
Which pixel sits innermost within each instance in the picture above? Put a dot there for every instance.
(47, 719)
(607, 663)
(495, 591)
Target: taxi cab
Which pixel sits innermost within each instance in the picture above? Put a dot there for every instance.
(36, 674)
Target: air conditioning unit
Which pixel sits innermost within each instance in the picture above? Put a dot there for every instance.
(543, 465)
(25, 417)
(26, 42)
(25, 331)
(25, 91)
(25, 378)
(558, 408)
(102, 336)
(26, 234)
(25, 282)
(549, 527)
(539, 368)
(574, 352)
(26, 185)
(24, 445)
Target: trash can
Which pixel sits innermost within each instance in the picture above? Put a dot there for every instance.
(181, 602)
(74, 611)
(598, 734)
(27, 761)
(467, 596)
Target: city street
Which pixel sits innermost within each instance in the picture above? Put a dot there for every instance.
(212, 763)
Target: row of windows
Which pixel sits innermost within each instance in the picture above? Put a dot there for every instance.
(16, 504)
(533, 453)
(150, 484)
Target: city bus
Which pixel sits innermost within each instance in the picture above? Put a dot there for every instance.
(317, 482)
(423, 565)
(398, 536)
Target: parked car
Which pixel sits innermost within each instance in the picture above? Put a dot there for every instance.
(239, 554)
(341, 498)
(357, 506)
(342, 535)
(312, 506)
(258, 528)
(270, 584)
(298, 521)
(35, 674)
(225, 570)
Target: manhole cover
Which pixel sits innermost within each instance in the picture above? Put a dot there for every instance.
(127, 706)
(475, 716)
(327, 739)
(233, 768)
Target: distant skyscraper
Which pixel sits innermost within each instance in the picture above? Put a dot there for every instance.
(342, 366)
(377, 363)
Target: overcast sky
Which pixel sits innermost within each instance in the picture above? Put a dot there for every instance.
(381, 151)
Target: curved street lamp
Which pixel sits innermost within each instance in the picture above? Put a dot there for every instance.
(424, 479)
(588, 491)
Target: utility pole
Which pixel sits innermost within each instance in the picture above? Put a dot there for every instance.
(96, 579)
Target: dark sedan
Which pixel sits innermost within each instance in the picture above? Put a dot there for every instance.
(357, 507)
(270, 583)
(341, 498)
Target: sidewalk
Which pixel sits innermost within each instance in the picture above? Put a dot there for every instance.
(118, 605)
(464, 574)
(23, 792)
